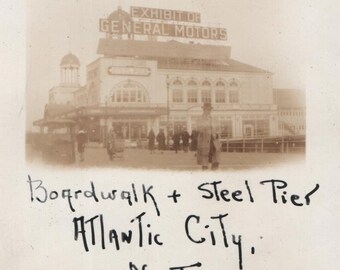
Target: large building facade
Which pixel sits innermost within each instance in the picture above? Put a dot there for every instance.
(137, 85)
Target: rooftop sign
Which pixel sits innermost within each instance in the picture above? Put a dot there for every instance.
(120, 25)
(162, 29)
(165, 14)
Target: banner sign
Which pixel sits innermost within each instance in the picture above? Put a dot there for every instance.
(129, 71)
(162, 29)
(165, 14)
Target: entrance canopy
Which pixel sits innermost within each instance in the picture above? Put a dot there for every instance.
(58, 122)
(116, 111)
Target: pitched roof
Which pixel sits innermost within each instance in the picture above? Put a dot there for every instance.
(229, 65)
(177, 55)
(155, 49)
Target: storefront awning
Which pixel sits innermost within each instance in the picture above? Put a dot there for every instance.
(124, 112)
(59, 122)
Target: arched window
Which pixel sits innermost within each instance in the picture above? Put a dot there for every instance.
(192, 92)
(220, 92)
(206, 92)
(177, 91)
(129, 92)
(233, 91)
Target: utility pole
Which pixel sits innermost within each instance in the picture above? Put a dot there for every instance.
(168, 110)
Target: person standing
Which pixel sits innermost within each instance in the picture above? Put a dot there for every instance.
(151, 138)
(161, 141)
(111, 139)
(193, 145)
(177, 141)
(81, 141)
(208, 140)
(185, 139)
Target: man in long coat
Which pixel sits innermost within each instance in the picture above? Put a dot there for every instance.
(208, 141)
(111, 140)
(193, 145)
(185, 139)
(151, 138)
(161, 141)
(177, 141)
(81, 141)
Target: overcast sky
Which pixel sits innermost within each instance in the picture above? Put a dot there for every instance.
(264, 33)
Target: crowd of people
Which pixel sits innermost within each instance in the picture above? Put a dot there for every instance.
(205, 141)
(180, 140)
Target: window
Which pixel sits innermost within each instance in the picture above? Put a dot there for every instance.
(125, 96)
(220, 92)
(119, 96)
(129, 92)
(206, 96)
(233, 96)
(262, 128)
(226, 129)
(256, 128)
(233, 91)
(206, 92)
(133, 96)
(177, 95)
(192, 92)
(177, 92)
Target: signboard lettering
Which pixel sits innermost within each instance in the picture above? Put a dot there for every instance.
(129, 70)
(165, 14)
(162, 29)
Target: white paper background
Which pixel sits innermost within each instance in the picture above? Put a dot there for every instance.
(35, 236)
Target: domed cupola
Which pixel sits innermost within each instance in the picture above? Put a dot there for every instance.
(69, 70)
(70, 60)
(122, 17)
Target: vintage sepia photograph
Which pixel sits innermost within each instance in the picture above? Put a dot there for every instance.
(175, 85)
(170, 135)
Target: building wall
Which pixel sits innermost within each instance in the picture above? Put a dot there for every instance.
(254, 105)
(93, 83)
(80, 97)
(253, 88)
(62, 95)
(292, 121)
(108, 81)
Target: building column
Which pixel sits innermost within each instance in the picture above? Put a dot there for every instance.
(213, 96)
(238, 126)
(156, 125)
(102, 130)
(199, 95)
(108, 124)
(273, 125)
(149, 126)
(189, 126)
